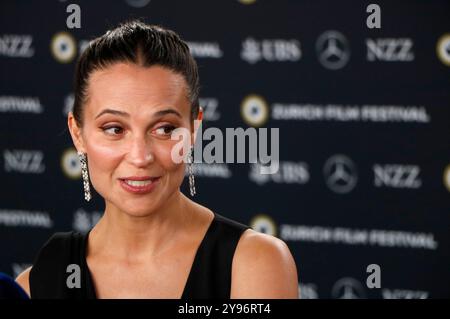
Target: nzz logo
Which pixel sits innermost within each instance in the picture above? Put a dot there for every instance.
(397, 176)
(24, 161)
(390, 49)
(16, 46)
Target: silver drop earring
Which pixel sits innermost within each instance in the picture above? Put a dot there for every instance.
(191, 173)
(84, 174)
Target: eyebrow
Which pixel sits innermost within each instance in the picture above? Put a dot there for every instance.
(125, 114)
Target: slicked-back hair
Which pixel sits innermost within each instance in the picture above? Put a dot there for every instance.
(142, 44)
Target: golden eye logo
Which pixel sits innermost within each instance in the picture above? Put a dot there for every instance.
(447, 177)
(70, 164)
(264, 224)
(443, 49)
(254, 110)
(63, 47)
(247, 1)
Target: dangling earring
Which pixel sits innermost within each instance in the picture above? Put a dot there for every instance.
(84, 174)
(191, 172)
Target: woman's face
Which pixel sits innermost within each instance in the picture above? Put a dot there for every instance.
(136, 142)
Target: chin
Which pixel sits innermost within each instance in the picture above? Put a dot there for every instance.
(139, 211)
(137, 206)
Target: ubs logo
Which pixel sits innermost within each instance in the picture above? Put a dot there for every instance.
(289, 173)
(273, 50)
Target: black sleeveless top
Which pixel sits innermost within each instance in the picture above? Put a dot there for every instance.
(209, 277)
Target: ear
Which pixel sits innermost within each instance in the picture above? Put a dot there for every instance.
(76, 133)
(197, 124)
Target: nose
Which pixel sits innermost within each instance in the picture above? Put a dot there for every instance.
(141, 154)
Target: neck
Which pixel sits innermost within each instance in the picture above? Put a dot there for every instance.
(133, 239)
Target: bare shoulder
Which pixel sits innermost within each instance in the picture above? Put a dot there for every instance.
(24, 280)
(263, 267)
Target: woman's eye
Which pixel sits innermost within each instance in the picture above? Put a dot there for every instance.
(113, 130)
(165, 130)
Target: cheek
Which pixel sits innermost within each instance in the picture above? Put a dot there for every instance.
(174, 172)
(102, 160)
(163, 154)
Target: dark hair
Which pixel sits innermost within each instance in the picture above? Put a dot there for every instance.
(142, 44)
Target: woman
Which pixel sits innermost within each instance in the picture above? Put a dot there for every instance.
(134, 86)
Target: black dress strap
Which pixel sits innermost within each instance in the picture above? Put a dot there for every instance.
(48, 276)
(210, 275)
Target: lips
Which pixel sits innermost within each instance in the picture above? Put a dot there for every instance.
(139, 184)
(139, 178)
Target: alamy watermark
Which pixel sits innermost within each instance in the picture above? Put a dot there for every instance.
(74, 278)
(374, 279)
(213, 152)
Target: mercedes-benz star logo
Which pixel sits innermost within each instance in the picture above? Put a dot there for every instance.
(348, 288)
(333, 50)
(340, 174)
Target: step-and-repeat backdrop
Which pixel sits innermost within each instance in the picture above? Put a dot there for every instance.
(360, 94)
